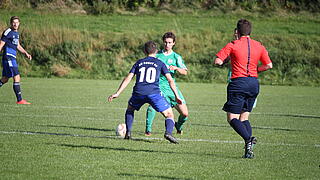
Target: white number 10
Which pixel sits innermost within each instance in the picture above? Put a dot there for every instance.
(150, 74)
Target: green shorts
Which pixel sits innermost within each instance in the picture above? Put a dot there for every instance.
(170, 97)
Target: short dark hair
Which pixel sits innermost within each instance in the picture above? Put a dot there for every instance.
(169, 35)
(150, 47)
(14, 18)
(244, 27)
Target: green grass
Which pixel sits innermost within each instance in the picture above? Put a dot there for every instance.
(104, 47)
(69, 133)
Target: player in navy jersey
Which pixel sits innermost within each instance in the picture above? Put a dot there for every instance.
(10, 44)
(147, 90)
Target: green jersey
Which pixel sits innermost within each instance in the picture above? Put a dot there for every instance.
(172, 59)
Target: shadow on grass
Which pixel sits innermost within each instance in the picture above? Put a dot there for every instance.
(82, 128)
(86, 136)
(216, 155)
(151, 176)
(253, 127)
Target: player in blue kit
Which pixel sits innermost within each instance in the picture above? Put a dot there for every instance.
(147, 90)
(10, 44)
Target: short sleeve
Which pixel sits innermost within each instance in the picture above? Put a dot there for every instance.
(5, 34)
(133, 69)
(225, 51)
(265, 59)
(180, 62)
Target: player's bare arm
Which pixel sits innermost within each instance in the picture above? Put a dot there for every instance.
(264, 67)
(23, 51)
(122, 86)
(2, 43)
(180, 70)
(173, 87)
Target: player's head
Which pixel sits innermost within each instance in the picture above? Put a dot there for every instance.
(150, 47)
(15, 22)
(244, 27)
(169, 40)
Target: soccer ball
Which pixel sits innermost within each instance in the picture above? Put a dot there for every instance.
(121, 130)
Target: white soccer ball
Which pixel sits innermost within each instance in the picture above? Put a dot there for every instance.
(121, 130)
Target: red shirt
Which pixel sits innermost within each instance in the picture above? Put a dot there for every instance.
(245, 55)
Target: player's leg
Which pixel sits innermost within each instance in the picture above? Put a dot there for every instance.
(237, 125)
(150, 115)
(183, 117)
(16, 87)
(244, 118)
(169, 124)
(129, 117)
(160, 104)
(135, 103)
(3, 80)
(13, 66)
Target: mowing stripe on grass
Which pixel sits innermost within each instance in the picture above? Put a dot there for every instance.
(150, 138)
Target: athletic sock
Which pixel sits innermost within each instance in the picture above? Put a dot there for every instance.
(247, 124)
(169, 125)
(181, 120)
(237, 125)
(151, 113)
(129, 119)
(17, 91)
(1, 83)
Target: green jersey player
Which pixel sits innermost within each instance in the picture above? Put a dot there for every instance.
(175, 64)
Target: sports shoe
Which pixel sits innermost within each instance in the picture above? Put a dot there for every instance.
(170, 138)
(147, 133)
(128, 135)
(248, 151)
(23, 101)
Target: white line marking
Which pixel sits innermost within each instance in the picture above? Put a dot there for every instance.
(149, 138)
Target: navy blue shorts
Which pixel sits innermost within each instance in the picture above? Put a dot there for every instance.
(241, 94)
(10, 67)
(157, 101)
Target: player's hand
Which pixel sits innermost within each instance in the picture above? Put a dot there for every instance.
(172, 68)
(28, 56)
(110, 98)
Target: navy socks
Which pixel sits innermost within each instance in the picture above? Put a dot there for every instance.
(246, 123)
(17, 90)
(129, 119)
(237, 125)
(169, 125)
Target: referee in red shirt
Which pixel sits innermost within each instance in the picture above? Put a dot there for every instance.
(245, 54)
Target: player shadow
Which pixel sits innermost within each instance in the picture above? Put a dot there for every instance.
(82, 128)
(253, 127)
(296, 116)
(83, 136)
(217, 155)
(151, 176)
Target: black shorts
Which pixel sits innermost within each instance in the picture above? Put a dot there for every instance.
(241, 94)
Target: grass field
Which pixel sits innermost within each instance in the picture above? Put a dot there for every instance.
(69, 133)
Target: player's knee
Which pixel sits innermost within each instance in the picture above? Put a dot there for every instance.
(4, 80)
(185, 114)
(168, 113)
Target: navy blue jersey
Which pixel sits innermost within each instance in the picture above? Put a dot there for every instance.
(147, 73)
(11, 38)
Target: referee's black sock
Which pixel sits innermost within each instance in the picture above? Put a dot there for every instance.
(237, 125)
(247, 124)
